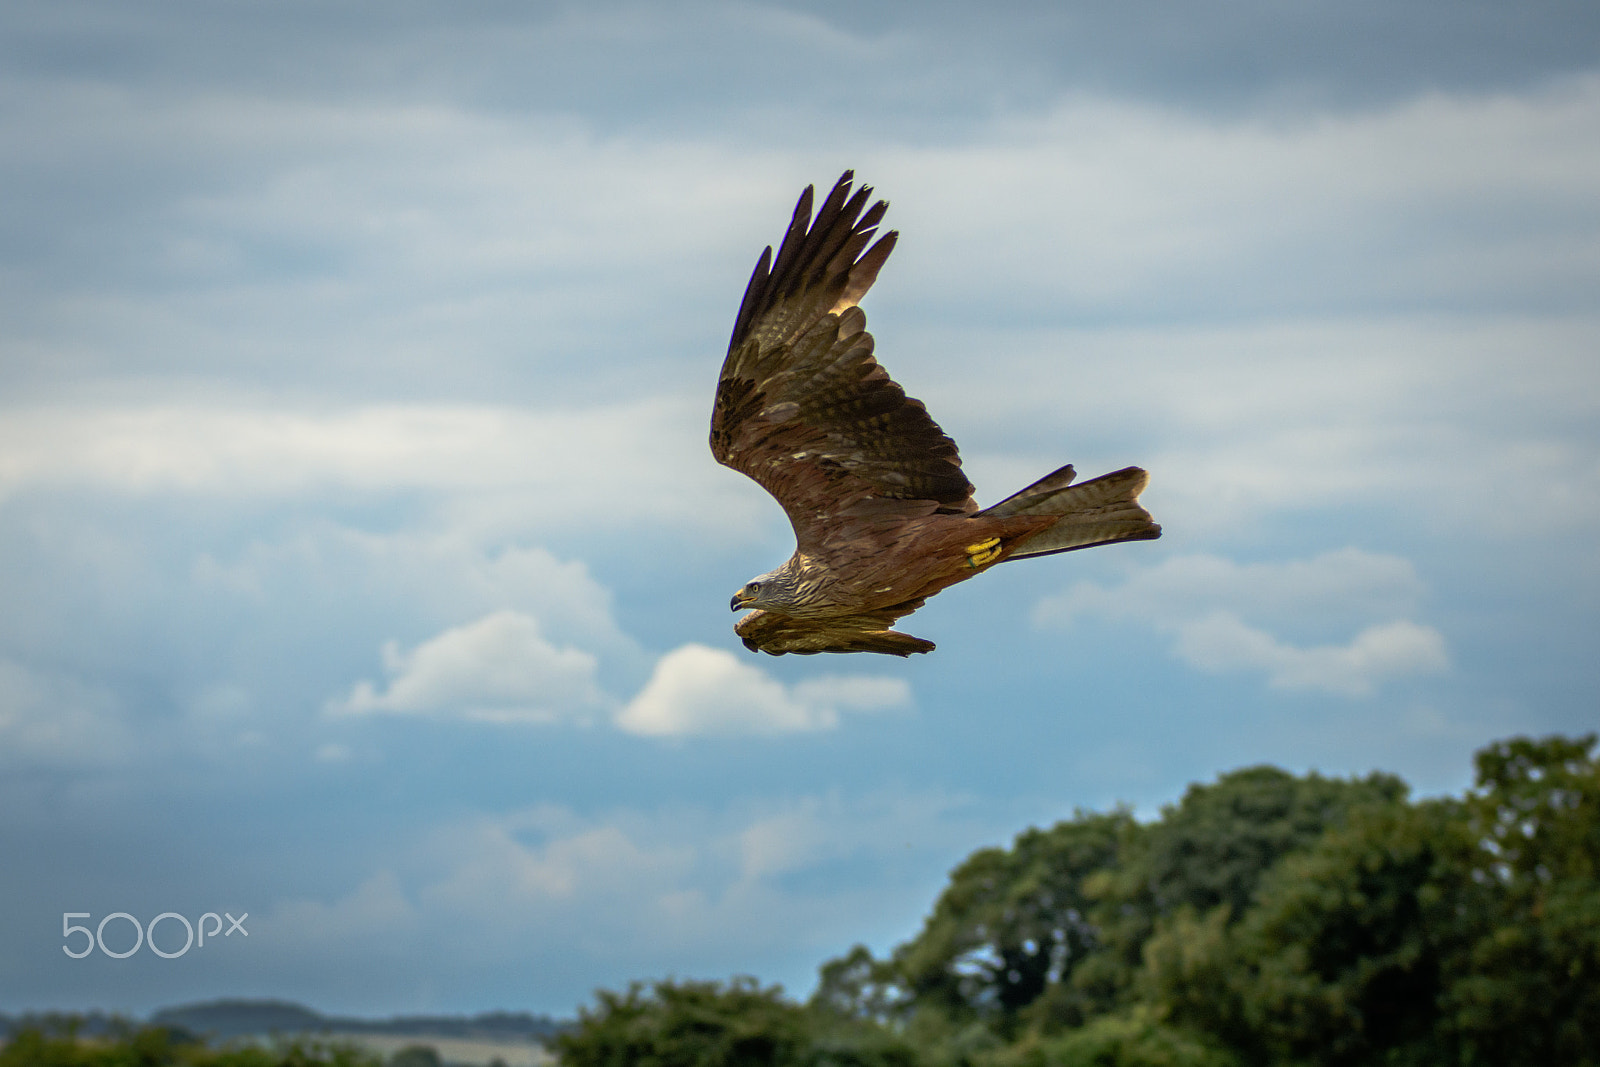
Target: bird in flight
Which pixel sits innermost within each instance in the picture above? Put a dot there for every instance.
(883, 517)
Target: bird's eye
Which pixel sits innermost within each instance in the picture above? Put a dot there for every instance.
(753, 588)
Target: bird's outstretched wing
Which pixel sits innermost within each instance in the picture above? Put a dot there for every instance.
(777, 634)
(804, 408)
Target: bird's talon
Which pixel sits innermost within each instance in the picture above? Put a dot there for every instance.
(983, 552)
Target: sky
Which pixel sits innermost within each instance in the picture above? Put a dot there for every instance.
(364, 571)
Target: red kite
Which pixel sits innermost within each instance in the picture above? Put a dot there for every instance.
(883, 517)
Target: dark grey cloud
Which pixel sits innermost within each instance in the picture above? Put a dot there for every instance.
(274, 188)
(634, 64)
(1271, 54)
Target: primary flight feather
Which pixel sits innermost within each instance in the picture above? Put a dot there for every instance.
(883, 517)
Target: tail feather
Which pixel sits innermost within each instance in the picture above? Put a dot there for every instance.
(1101, 511)
(1023, 501)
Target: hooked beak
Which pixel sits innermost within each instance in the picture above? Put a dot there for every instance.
(738, 602)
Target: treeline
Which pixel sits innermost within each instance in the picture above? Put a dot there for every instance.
(1266, 918)
(246, 1033)
(242, 1017)
(54, 1040)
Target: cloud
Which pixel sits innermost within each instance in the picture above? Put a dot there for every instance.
(630, 64)
(816, 832)
(50, 719)
(382, 247)
(674, 888)
(368, 919)
(547, 858)
(557, 463)
(1200, 600)
(700, 690)
(1219, 643)
(498, 669)
(1333, 298)
(1345, 584)
(425, 573)
(1246, 423)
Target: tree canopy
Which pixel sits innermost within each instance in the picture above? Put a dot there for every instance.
(1264, 918)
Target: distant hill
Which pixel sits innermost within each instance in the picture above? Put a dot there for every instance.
(225, 1019)
(237, 1018)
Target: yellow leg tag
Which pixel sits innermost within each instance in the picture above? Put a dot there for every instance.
(983, 552)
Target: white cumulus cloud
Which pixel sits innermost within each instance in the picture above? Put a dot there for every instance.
(500, 668)
(700, 690)
(1203, 600)
(1221, 642)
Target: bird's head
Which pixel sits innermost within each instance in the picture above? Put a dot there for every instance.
(773, 591)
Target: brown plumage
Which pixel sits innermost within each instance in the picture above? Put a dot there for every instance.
(883, 517)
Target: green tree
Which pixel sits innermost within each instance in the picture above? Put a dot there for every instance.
(1012, 923)
(1050, 934)
(687, 1024)
(415, 1056)
(711, 1024)
(1131, 1038)
(1449, 931)
(1214, 846)
(1339, 961)
(858, 987)
(1528, 982)
(1206, 855)
(56, 1042)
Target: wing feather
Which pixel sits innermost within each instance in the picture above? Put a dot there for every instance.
(777, 634)
(804, 407)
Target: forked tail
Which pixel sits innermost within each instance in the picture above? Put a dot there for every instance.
(1100, 511)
